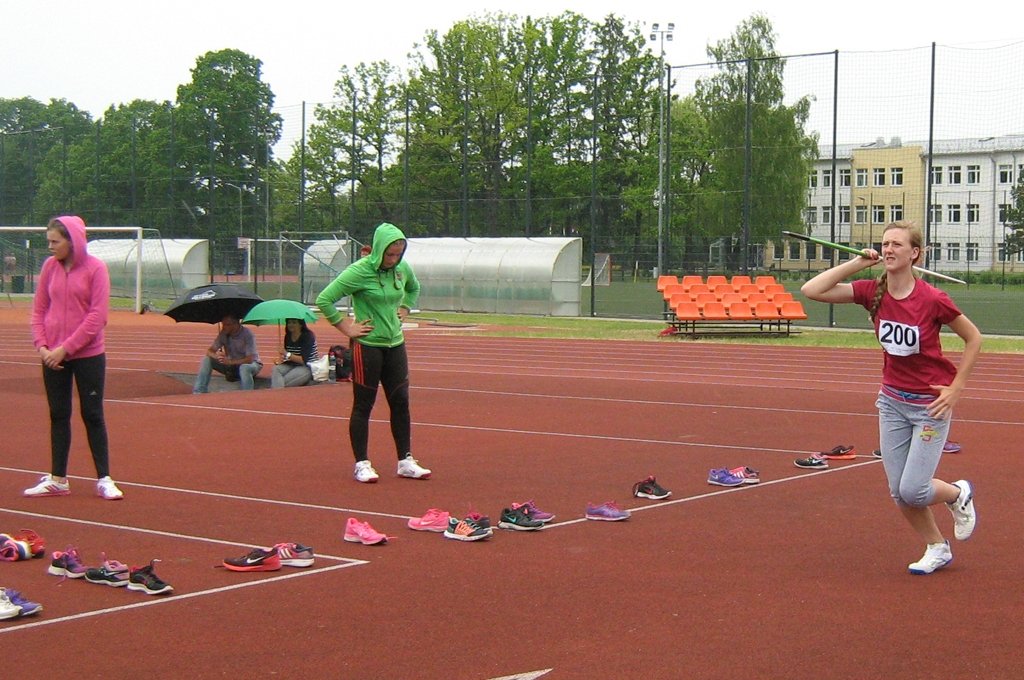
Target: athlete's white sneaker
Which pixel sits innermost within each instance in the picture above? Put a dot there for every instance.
(365, 473)
(49, 486)
(964, 517)
(408, 467)
(107, 490)
(935, 557)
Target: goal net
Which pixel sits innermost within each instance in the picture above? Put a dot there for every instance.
(602, 272)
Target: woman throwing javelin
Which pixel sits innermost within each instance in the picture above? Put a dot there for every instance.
(384, 289)
(920, 386)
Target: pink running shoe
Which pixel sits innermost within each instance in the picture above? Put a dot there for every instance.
(362, 532)
(294, 554)
(434, 520)
(748, 474)
(533, 512)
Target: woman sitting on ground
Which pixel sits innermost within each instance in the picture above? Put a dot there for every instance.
(299, 352)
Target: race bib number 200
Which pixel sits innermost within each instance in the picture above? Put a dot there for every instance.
(899, 339)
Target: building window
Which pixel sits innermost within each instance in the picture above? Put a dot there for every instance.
(812, 215)
(844, 214)
(936, 251)
(812, 251)
(974, 174)
(895, 212)
(953, 252)
(879, 177)
(826, 214)
(972, 252)
(954, 174)
(812, 179)
(972, 213)
(844, 177)
(936, 174)
(896, 176)
(1002, 252)
(861, 214)
(953, 211)
(1006, 174)
(936, 213)
(826, 178)
(1003, 210)
(794, 250)
(878, 214)
(862, 177)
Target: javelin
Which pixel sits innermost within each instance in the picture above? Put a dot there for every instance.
(854, 251)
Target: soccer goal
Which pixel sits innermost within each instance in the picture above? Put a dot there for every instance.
(602, 272)
(129, 263)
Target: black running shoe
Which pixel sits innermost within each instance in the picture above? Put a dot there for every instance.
(110, 573)
(518, 520)
(649, 488)
(144, 580)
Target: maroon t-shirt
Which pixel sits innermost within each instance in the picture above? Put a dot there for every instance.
(908, 331)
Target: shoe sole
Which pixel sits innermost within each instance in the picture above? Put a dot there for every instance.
(255, 567)
(970, 501)
(518, 527)
(115, 584)
(811, 467)
(459, 537)
(356, 539)
(138, 587)
(607, 519)
(413, 476)
(110, 498)
(714, 483)
(436, 530)
(57, 571)
(652, 496)
(845, 456)
(297, 562)
(924, 572)
(47, 494)
(366, 481)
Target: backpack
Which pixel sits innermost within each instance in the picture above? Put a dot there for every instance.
(342, 363)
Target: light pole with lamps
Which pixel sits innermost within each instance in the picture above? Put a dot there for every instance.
(661, 35)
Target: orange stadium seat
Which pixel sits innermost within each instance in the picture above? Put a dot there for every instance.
(691, 280)
(766, 311)
(774, 288)
(755, 298)
(664, 281)
(739, 280)
(703, 299)
(780, 298)
(763, 281)
(716, 280)
(792, 310)
(671, 289)
(748, 289)
(730, 298)
(740, 311)
(715, 311)
(721, 289)
(698, 288)
(688, 311)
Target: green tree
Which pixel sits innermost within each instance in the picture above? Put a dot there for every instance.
(780, 151)
(1014, 221)
(225, 127)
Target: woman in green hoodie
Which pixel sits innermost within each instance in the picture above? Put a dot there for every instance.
(383, 289)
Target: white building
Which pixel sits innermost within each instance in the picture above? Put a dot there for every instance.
(881, 182)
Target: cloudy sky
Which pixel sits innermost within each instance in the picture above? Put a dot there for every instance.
(96, 54)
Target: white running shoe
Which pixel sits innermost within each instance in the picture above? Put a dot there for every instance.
(408, 467)
(365, 473)
(964, 517)
(107, 490)
(935, 557)
(48, 486)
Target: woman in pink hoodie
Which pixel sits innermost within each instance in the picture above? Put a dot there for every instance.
(69, 313)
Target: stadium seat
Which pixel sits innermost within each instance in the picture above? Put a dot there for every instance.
(688, 311)
(740, 311)
(716, 280)
(739, 280)
(730, 298)
(792, 310)
(766, 311)
(715, 311)
(678, 298)
(698, 288)
(703, 299)
(763, 281)
(780, 298)
(754, 298)
(721, 289)
(691, 280)
(773, 289)
(671, 289)
(748, 289)
(666, 280)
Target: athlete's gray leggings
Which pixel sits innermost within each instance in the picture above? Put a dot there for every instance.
(911, 444)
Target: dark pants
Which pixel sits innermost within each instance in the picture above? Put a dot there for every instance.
(88, 374)
(373, 366)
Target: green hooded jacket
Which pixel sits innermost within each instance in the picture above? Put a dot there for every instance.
(376, 293)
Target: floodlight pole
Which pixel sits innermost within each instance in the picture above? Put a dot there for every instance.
(661, 35)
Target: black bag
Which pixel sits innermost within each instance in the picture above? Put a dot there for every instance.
(342, 363)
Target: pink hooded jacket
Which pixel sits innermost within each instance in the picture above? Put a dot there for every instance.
(70, 306)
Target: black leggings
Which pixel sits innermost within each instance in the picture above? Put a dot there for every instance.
(88, 374)
(372, 366)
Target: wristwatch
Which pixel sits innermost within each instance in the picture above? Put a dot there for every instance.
(287, 356)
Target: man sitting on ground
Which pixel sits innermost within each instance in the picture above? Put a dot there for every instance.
(232, 353)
